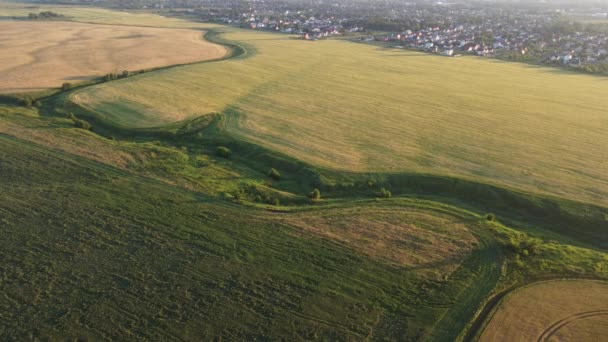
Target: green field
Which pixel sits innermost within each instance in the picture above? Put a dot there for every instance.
(94, 259)
(356, 107)
(138, 229)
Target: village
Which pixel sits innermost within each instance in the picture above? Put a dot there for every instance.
(519, 41)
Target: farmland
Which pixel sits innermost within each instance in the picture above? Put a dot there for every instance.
(477, 119)
(70, 224)
(73, 52)
(262, 197)
(571, 310)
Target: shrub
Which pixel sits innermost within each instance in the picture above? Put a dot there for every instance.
(223, 152)
(274, 174)
(276, 202)
(27, 101)
(110, 77)
(532, 245)
(66, 86)
(490, 217)
(37, 104)
(82, 124)
(315, 195)
(384, 193)
(125, 73)
(239, 195)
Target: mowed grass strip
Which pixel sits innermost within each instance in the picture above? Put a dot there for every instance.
(426, 242)
(552, 310)
(41, 55)
(357, 107)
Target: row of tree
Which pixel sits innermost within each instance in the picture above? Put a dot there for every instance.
(44, 15)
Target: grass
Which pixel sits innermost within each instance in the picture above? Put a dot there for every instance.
(70, 225)
(353, 107)
(425, 242)
(139, 230)
(71, 205)
(571, 309)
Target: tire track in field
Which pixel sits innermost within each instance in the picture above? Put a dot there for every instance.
(553, 328)
(454, 320)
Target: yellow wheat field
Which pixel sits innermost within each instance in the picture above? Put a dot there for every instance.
(565, 310)
(40, 55)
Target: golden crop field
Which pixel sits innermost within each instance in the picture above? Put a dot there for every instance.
(9, 10)
(40, 55)
(564, 310)
(357, 107)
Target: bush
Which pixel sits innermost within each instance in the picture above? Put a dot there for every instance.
(82, 124)
(239, 195)
(27, 101)
(490, 217)
(315, 195)
(274, 174)
(384, 193)
(276, 202)
(125, 73)
(223, 152)
(66, 86)
(110, 77)
(37, 104)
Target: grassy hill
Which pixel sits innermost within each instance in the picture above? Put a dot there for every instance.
(355, 107)
(101, 253)
(130, 231)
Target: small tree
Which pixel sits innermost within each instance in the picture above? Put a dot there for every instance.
(223, 151)
(125, 73)
(315, 195)
(27, 101)
(274, 174)
(490, 217)
(81, 124)
(385, 193)
(66, 86)
(110, 77)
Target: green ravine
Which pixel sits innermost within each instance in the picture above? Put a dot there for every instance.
(149, 233)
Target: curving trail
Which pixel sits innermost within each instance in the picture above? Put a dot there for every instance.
(546, 309)
(551, 330)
